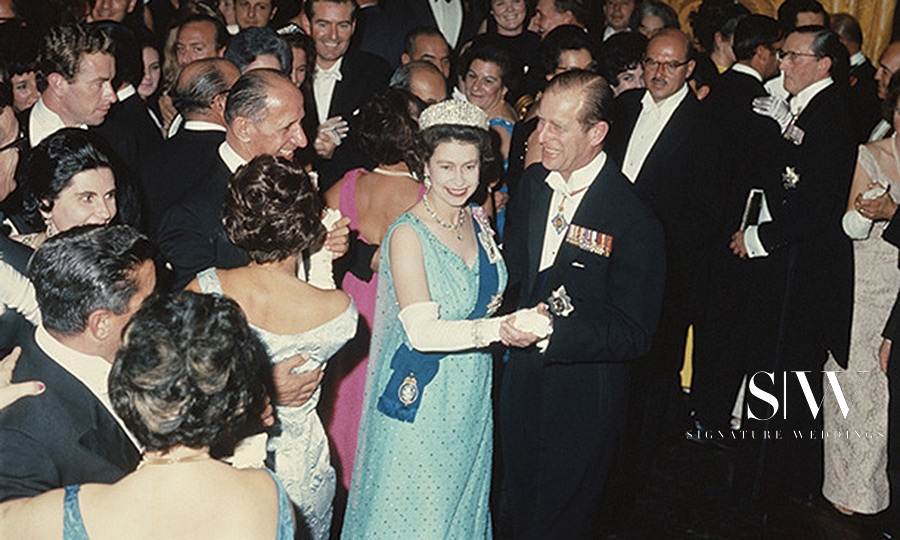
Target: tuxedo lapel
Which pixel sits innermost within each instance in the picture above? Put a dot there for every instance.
(670, 138)
(537, 225)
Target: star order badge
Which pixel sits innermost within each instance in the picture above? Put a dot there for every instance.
(560, 303)
(790, 178)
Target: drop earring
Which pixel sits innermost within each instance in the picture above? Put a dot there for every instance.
(50, 229)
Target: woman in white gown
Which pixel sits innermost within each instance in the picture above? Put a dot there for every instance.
(273, 211)
(856, 478)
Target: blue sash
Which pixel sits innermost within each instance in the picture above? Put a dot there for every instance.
(413, 370)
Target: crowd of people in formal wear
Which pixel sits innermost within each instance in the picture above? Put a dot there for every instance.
(428, 269)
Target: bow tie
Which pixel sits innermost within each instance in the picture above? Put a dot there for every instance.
(329, 75)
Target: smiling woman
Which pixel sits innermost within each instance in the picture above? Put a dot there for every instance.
(68, 182)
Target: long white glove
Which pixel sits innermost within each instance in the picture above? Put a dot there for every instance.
(855, 225)
(775, 108)
(428, 333)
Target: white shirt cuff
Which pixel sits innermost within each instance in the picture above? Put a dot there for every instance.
(753, 244)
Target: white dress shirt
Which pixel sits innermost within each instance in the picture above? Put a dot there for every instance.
(43, 122)
(752, 242)
(857, 59)
(125, 92)
(91, 371)
(323, 87)
(568, 194)
(203, 125)
(449, 18)
(650, 123)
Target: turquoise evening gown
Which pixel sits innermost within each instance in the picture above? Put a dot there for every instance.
(430, 478)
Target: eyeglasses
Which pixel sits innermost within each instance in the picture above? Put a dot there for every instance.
(791, 56)
(669, 67)
(19, 142)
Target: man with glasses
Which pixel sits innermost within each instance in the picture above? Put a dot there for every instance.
(801, 270)
(888, 64)
(666, 149)
(12, 141)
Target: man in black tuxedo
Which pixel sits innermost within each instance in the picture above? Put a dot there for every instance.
(263, 114)
(801, 270)
(75, 69)
(748, 139)
(865, 107)
(888, 64)
(176, 168)
(345, 78)
(89, 282)
(388, 23)
(580, 239)
(664, 143)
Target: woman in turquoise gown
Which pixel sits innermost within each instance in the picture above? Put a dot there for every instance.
(423, 462)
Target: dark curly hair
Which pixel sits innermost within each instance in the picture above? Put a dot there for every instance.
(430, 138)
(273, 211)
(52, 164)
(488, 51)
(190, 372)
(386, 128)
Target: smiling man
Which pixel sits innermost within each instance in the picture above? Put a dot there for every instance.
(263, 115)
(75, 69)
(344, 79)
(579, 239)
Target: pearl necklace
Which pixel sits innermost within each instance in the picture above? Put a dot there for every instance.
(168, 460)
(455, 227)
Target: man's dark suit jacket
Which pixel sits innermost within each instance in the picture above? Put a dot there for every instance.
(562, 411)
(190, 233)
(131, 136)
(363, 74)
(865, 107)
(748, 141)
(130, 132)
(808, 274)
(176, 170)
(386, 26)
(61, 437)
(680, 181)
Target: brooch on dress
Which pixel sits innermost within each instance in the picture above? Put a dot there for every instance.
(560, 303)
(409, 390)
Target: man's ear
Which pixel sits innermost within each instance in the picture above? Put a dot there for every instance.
(56, 83)
(131, 6)
(274, 11)
(598, 133)
(98, 324)
(304, 23)
(243, 128)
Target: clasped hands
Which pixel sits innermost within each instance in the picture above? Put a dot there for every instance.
(878, 208)
(527, 332)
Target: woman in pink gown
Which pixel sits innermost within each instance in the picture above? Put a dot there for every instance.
(372, 200)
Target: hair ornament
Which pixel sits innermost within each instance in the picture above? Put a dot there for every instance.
(453, 112)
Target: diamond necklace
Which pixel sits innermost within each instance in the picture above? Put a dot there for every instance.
(457, 227)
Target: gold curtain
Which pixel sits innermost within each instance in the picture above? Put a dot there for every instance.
(875, 16)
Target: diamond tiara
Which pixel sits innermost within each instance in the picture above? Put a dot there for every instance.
(453, 112)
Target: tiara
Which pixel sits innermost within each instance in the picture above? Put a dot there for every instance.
(453, 112)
